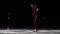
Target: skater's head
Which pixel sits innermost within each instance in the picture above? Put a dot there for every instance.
(33, 5)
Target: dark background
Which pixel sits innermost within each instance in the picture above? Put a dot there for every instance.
(21, 15)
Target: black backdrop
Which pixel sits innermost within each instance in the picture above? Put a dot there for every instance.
(21, 15)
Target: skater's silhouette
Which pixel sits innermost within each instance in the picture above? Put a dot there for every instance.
(34, 14)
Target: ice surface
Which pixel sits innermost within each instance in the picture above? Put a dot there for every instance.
(26, 31)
